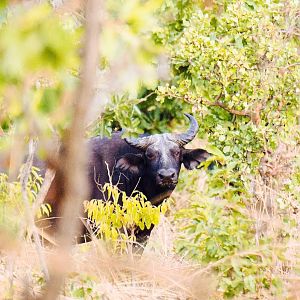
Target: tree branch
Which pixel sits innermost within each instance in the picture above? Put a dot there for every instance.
(74, 157)
(48, 178)
(232, 111)
(254, 116)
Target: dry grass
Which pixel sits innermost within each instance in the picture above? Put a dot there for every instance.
(273, 205)
(157, 274)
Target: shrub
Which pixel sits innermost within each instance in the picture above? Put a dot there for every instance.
(11, 202)
(237, 64)
(117, 218)
(239, 71)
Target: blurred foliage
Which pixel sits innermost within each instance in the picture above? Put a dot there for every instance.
(37, 84)
(117, 218)
(11, 201)
(38, 70)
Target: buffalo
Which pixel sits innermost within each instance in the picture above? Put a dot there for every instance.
(150, 164)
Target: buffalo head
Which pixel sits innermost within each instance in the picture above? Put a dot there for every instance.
(161, 156)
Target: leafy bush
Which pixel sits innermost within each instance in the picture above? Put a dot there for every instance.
(239, 71)
(218, 230)
(225, 229)
(11, 201)
(119, 217)
(237, 64)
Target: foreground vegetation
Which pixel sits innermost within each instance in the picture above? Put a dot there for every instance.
(229, 232)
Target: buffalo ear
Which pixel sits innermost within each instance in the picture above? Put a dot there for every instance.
(192, 158)
(130, 162)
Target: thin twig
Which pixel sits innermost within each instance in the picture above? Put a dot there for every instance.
(292, 65)
(232, 111)
(48, 178)
(216, 103)
(28, 210)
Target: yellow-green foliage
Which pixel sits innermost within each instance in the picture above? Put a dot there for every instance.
(119, 216)
(11, 202)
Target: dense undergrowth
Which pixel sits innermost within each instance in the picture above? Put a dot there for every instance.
(237, 65)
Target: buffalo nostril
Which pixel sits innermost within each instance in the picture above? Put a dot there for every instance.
(161, 176)
(166, 174)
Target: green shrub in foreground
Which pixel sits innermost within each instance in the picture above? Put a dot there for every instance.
(217, 231)
(12, 212)
(118, 217)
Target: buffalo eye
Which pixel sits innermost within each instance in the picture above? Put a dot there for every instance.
(151, 154)
(175, 153)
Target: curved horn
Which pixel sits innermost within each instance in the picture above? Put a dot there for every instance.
(184, 138)
(140, 143)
